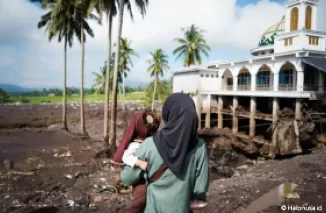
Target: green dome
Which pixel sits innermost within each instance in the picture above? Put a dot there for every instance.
(268, 36)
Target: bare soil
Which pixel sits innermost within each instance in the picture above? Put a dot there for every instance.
(55, 171)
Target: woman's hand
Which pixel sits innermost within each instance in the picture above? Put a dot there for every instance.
(142, 164)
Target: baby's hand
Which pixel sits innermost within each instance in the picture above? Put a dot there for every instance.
(142, 164)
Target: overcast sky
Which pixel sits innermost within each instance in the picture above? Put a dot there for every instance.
(28, 59)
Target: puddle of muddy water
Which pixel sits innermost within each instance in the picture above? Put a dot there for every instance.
(275, 197)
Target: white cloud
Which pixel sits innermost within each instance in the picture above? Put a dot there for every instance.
(40, 63)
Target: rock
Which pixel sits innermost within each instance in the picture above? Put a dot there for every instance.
(236, 174)
(54, 126)
(243, 167)
(8, 164)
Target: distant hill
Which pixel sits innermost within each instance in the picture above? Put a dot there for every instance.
(14, 88)
(136, 83)
(10, 88)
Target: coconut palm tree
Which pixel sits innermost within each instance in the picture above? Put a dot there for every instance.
(192, 45)
(61, 21)
(83, 11)
(158, 63)
(126, 52)
(142, 5)
(110, 8)
(100, 78)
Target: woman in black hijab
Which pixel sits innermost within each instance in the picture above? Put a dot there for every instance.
(179, 135)
(185, 155)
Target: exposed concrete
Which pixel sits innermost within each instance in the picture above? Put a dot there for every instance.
(208, 113)
(276, 108)
(198, 109)
(298, 115)
(235, 120)
(321, 81)
(253, 108)
(220, 115)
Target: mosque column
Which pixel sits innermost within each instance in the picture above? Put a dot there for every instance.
(208, 112)
(252, 124)
(274, 135)
(235, 83)
(321, 81)
(276, 108)
(298, 115)
(275, 81)
(235, 119)
(300, 80)
(253, 82)
(198, 109)
(219, 111)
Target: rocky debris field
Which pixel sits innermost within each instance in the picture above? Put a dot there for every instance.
(43, 169)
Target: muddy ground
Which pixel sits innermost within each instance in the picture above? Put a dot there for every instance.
(55, 171)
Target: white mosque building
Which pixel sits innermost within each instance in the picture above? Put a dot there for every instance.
(287, 68)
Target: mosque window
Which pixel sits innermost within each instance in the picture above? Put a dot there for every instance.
(263, 77)
(286, 78)
(294, 19)
(290, 41)
(229, 81)
(313, 40)
(286, 42)
(212, 76)
(308, 17)
(244, 80)
(201, 75)
(207, 75)
(216, 75)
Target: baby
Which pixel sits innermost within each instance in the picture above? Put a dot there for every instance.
(129, 158)
(142, 125)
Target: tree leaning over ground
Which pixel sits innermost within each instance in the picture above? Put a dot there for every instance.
(61, 21)
(142, 5)
(126, 53)
(158, 64)
(192, 45)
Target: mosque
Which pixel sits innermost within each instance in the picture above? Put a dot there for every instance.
(286, 69)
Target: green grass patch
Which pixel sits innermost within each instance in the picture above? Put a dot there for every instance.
(88, 97)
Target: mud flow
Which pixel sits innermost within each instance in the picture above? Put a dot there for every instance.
(44, 169)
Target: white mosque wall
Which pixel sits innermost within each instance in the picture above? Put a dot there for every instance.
(300, 41)
(209, 81)
(188, 82)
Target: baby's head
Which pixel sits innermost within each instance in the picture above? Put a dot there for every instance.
(152, 122)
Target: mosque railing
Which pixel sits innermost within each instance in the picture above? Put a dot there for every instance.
(286, 87)
(244, 87)
(264, 87)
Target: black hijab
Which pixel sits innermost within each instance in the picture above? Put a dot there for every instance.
(179, 135)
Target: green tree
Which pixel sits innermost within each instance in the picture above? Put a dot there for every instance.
(4, 98)
(158, 64)
(100, 78)
(164, 90)
(62, 20)
(142, 5)
(126, 53)
(192, 45)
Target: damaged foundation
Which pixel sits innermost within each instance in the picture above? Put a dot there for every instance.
(268, 126)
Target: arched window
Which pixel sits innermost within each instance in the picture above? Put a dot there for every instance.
(308, 17)
(294, 19)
